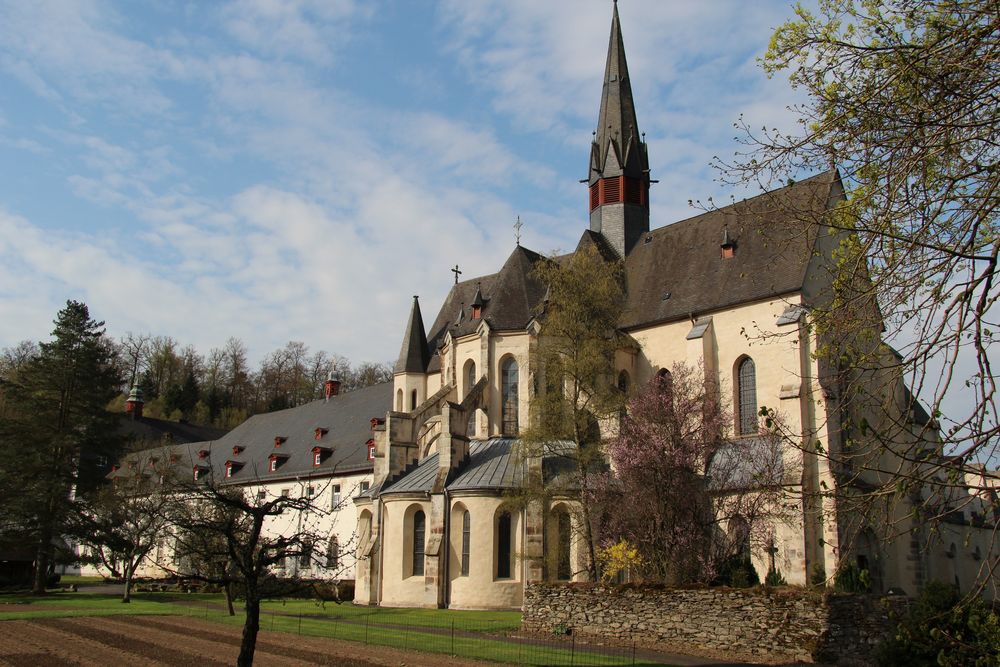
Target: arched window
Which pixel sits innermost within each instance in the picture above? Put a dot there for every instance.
(623, 386)
(470, 381)
(508, 396)
(504, 542)
(413, 400)
(466, 534)
(418, 543)
(564, 569)
(399, 400)
(746, 384)
(333, 553)
(665, 382)
(739, 536)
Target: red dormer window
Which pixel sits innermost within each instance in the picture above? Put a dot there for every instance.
(477, 312)
(232, 467)
(371, 449)
(320, 453)
(375, 421)
(275, 461)
(203, 454)
(174, 458)
(238, 449)
(199, 472)
(320, 432)
(279, 440)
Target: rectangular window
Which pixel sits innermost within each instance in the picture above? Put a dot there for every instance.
(261, 495)
(317, 458)
(310, 491)
(336, 497)
(365, 486)
(371, 453)
(285, 493)
(273, 465)
(503, 546)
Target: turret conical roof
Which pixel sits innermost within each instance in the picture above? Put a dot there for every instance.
(414, 354)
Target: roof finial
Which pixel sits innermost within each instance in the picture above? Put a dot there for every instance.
(517, 230)
(457, 273)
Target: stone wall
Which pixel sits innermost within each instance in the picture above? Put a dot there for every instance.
(768, 625)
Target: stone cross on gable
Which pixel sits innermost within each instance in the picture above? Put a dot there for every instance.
(517, 230)
(457, 273)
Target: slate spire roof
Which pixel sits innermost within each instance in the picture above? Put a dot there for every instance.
(617, 147)
(414, 354)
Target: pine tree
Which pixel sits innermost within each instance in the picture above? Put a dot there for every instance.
(55, 426)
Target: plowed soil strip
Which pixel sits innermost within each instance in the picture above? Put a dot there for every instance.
(263, 647)
(34, 660)
(60, 645)
(129, 643)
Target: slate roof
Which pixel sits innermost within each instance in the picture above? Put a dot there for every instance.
(346, 418)
(414, 354)
(491, 466)
(772, 253)
(683, 260)
(161, 431)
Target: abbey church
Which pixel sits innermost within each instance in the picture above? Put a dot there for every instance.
(434, 528)
(414, 477)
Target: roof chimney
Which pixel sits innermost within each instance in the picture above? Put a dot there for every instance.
(332, 386)
(134, 403)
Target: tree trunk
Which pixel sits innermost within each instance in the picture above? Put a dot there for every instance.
(228, 590)
(43, 557)
(129, 573)
(250, 628)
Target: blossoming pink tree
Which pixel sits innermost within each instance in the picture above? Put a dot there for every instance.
(681, 490)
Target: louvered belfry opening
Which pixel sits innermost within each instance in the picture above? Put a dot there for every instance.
(617, 190)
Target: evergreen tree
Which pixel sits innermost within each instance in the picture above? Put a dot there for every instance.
(55, 425)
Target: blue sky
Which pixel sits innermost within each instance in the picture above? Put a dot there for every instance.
(298, 170)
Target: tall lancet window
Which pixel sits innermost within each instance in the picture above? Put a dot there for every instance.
(508, 396)
(470, 381)
(747, 398)
(419, 525)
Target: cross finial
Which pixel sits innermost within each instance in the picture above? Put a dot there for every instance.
(517, 230)
(457, 273)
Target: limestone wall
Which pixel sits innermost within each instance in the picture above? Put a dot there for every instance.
(766, 625)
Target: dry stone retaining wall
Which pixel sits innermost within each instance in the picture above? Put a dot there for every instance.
(765, 624)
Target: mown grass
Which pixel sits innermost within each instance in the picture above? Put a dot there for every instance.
(469, 634)
(64, 604)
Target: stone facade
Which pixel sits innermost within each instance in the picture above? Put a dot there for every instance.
(768, 625)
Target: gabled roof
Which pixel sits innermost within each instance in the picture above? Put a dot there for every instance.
(346, 416)
(509, 297)
(773, 249)
(147, 431)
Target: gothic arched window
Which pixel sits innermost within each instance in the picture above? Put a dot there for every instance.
(333, 553)
(470, 381)
(564, 570)
(746, 396)
(466, 535)
(504, 543)
(419, 528)
(508, 396)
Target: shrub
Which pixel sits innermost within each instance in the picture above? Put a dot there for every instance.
(737, 572)
(942, 628)
(774, 578)
(852, 579)
(818, 575)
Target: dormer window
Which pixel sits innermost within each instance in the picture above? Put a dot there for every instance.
(175, 458)
(371, 449)
(320, 432)
(728, 245)
(319, 455)
(232, 467)
(376, 421)
(477, 312)
(279, 440)
(203, 454)
(200, 472)
(238, 449)
(275, 461)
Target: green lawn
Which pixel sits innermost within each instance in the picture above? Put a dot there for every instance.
(470, 634)
(67, 579)
(62, 604)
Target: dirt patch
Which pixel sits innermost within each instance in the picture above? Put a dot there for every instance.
(173, 641)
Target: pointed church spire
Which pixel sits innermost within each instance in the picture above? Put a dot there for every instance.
(414, 355)
(617, 127)
(619, 166)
